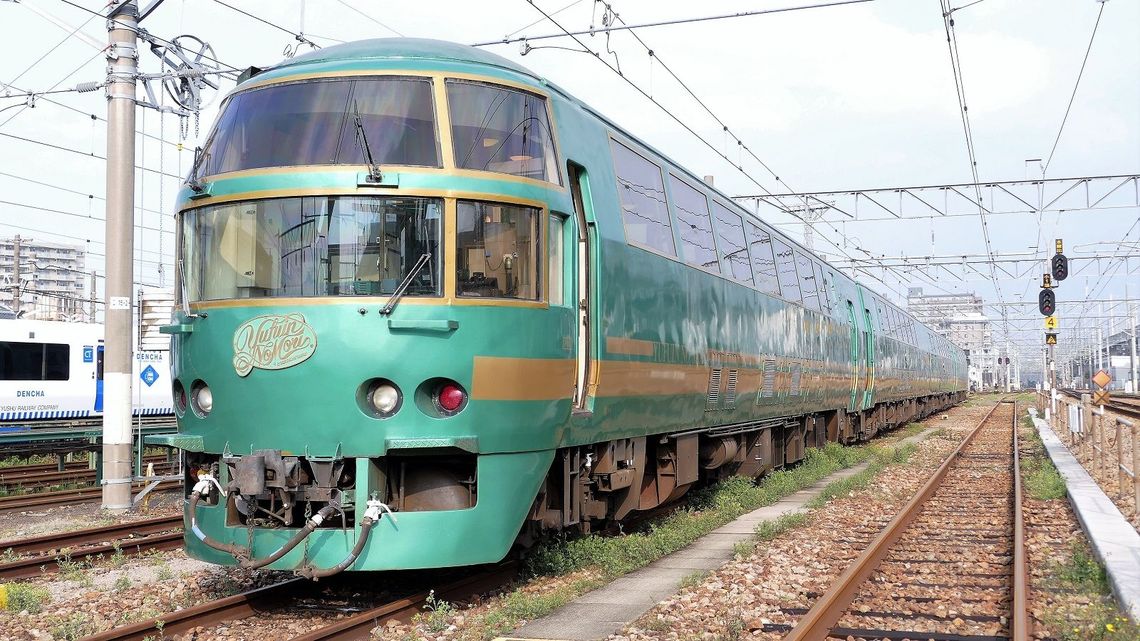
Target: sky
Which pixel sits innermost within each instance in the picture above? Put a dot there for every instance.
(845, 97)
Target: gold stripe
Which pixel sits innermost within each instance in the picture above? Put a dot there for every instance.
(632, 346)
(496, 378)
(633, 378)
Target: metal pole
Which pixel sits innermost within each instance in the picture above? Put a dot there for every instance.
(1119, 460)
(122, 61)
(1132, 358)
(16, 275)
(91, 299)
(1135, 468)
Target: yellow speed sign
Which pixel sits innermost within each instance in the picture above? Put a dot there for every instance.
(1050, 322)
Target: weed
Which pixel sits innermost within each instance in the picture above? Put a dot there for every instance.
(706, 510)
(693, 579)
(71, 627)
(768, 530)
(1080, 570)
(164, 572)
(743, 549)
(21, 597)
(72, 570)
(123, 583)
(117, 558)
(437, 615)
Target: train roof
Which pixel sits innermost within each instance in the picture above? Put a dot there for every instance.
(401, 49)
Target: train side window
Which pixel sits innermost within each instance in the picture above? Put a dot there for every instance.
(34, 361)
(644, 209)
(730, 233)
(786, 271)
(497, 249)
(763, 264)
(555, 225)
(692, 210)
(821, 285)
(808, 287)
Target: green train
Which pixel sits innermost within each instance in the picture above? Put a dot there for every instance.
(432, 305)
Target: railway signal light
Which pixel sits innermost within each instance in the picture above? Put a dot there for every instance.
(1060, 267)
(1047, 302)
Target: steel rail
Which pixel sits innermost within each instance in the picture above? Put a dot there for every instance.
(61, 497)
(1019, 626)
(54, 477)
(182, 621)
(36, 565)
(817, 623)
(262, 600)
(359, 626)
(86, 536)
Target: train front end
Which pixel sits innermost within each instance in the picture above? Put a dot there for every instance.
(372, 357)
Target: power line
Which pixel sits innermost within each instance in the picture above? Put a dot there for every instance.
(1075, 86)
(368, 17)
(299, 36)
(663, 23)
(81, 153)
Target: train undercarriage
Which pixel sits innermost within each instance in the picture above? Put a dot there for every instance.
(592, 485)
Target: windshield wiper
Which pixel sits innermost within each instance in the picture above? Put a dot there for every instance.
(396, 295)
(374, 175)
(201, 159)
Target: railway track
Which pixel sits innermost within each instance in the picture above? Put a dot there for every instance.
(34, 480)
(1124, 404)
(281, 597)
(64, 497)
(40, 553)
(951, 565)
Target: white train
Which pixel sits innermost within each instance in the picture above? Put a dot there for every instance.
(53, 370)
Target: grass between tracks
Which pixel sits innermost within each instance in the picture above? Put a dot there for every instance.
(1083, 609)
(586, 563)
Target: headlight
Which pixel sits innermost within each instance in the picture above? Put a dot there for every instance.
(384, 398)
(202, 398)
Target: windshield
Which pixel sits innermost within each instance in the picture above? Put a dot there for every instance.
(504, 130)
(313, 123)
(311, 246)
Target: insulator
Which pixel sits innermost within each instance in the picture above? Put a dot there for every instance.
(87, 87)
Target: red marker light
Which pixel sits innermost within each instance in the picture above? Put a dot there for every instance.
(451, 397)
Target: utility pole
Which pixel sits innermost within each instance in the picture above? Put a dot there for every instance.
(16, 275)
(122, 76)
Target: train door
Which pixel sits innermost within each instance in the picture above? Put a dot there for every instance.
(99, 379)
(853, 406)
(868, 355)
(586, 370)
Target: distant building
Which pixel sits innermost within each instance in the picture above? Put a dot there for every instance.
(959, 318)
(54, 280)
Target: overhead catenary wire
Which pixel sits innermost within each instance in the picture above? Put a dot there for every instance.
(299, 36)
(370, 18)
(963, 110)
(740, 14)
(688, 128)
(1076, 86)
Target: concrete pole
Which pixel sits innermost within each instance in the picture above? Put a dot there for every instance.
(122, 62)
(16, 276)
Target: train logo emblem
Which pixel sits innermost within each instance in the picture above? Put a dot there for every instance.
(273, 341)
